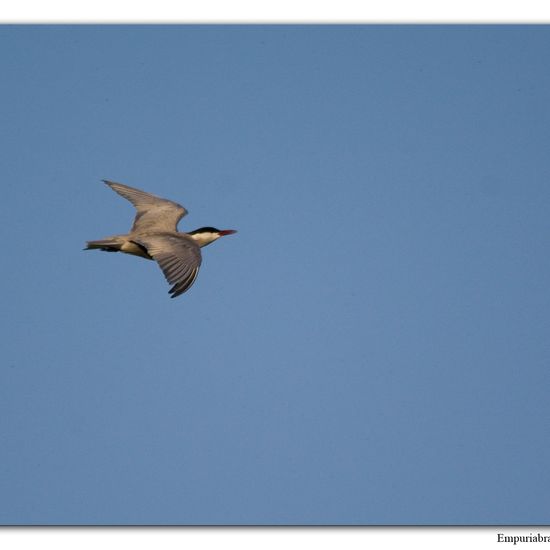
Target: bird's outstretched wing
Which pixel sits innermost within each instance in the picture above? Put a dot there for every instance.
(153, 213)
(178, 256)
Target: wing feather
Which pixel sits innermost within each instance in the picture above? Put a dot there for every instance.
(178, 256)
(153, 213)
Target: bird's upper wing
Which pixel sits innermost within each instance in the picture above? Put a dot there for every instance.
(178, 256)
(153, 213)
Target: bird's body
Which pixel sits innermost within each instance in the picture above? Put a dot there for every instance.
(154, 236)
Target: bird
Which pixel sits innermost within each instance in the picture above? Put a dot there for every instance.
(154, 236)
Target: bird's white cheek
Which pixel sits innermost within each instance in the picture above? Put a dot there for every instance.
(203, 239)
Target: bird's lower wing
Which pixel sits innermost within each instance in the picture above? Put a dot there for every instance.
(179, 258)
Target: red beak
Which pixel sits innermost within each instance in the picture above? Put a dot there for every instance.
(227, 232)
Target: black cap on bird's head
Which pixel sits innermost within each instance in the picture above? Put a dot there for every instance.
(207, 235)
(220, 232)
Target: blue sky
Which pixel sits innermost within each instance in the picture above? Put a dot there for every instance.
(370, 348)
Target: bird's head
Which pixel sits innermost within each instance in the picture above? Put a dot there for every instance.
(207, 235)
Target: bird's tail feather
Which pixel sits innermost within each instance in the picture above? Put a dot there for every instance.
(111, 244)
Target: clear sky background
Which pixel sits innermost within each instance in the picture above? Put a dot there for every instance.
(372, 346)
